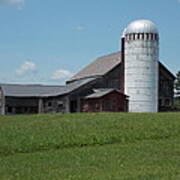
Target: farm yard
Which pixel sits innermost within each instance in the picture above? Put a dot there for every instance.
(109, 146)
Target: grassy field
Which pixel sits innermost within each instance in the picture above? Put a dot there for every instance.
(90, 146)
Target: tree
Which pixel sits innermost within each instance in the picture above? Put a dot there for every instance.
(177, 84)
(177, 91)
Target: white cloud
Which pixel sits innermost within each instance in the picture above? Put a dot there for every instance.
(80, 28)
(61, 74)
(17, 3)
(28, 66)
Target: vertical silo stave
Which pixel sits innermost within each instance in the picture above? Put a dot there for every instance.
(141, 66)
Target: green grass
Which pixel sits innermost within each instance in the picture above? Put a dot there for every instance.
(177, 102)
(90, 146)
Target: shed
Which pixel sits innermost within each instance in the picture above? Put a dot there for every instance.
(105, 100)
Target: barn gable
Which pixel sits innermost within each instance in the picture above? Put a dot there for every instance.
(105, 64)
(99, 67)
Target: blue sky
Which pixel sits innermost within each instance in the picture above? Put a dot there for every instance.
(47, 41)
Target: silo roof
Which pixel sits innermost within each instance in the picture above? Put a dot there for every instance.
(141, 26)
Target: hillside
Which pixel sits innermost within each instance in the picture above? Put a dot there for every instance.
(90, 146)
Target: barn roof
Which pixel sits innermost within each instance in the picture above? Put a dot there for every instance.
(19, 90)
(99, 67)
(103, 65)
(98, 93)
(167, 70)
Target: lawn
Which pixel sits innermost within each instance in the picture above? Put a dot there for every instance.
(90, 146)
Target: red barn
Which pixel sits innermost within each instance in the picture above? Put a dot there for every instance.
(105, 100)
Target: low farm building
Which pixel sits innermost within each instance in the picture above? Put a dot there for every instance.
(105, 100)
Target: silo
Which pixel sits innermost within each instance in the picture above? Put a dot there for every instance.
(141, 56)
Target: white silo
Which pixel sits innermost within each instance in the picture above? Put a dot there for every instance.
(141, 58)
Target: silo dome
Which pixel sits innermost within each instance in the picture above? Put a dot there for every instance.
(141, 26)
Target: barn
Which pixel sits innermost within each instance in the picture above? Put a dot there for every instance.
(130, 80)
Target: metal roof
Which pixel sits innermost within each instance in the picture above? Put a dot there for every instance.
(99, 67)
(141, 26)
(100, 93)
(19, 90)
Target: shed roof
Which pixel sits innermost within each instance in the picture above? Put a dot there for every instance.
(19, 90)
(99, 67)
(102, 92)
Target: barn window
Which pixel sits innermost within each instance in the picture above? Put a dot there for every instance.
(9, 109)
(160, 102)
(49, 104)
(25, 109)
(97, 106)
(60, 106)
(167, 102)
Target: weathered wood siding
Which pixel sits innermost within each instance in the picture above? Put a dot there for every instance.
(15, 105)
(114, 79)
(166, 90)
(113, 102)
(55, 104)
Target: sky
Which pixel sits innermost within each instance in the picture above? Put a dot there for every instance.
(47, 41)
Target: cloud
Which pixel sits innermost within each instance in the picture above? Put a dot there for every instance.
(17, 3)
(28, 66)
(80, 28)
(61, 74)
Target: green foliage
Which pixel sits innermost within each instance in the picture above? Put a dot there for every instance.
(177, 102)
(177, 83)
(90, 146)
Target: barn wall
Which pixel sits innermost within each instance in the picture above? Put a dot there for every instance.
(55, 105)
(113, 102)
(113, 79)
(166, 90)
(2, 102)
(15, 105)
(39, 105)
